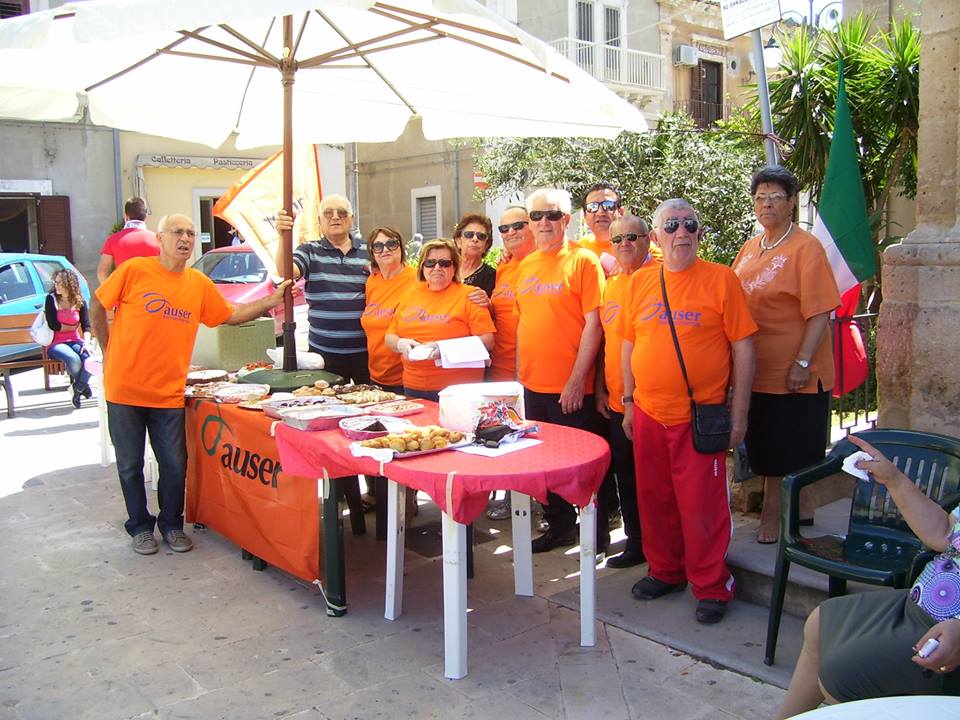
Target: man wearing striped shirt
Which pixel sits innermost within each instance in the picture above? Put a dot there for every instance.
(336, 270)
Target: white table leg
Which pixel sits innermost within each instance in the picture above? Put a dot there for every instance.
(106, 447)
(454, 598)
(396, 534)
(588, 573)
(522, 550)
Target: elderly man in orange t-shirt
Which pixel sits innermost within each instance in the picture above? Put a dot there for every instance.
(558, 297)
(684, 506)
(159, 303)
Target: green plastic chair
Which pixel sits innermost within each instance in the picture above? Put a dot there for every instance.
(879, 547)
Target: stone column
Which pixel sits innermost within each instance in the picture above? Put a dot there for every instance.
(918, 340)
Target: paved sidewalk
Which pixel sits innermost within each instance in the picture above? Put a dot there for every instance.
(91, 630)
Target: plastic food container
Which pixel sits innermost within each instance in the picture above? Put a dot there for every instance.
(320, 417)
(366, 427)
(274, 405)
(234, 393)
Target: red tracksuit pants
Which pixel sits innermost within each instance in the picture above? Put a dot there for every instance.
(684, 507)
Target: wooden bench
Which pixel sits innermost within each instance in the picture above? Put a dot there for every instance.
(14, 331)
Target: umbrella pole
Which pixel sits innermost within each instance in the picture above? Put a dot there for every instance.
(287, 73)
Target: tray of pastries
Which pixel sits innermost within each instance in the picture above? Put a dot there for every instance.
(317, 417)
(281, 401)
(395, 408)
(366, 427)
(419, 441)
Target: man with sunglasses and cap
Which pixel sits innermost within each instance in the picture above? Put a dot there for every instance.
(684, 501)
(558, 297)
(336, 267)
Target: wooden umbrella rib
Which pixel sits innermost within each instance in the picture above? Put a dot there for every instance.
(303, 27)
(155, 54)
(251, 44)
(333, 55)
(355, 47)
(348, 54)
(220, 58)
(380, 8)
(194, 34)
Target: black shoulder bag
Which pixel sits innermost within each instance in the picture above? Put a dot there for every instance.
(710, 423)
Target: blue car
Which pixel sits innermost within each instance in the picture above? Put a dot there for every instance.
(25, 281)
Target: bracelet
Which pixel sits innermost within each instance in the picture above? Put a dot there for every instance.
(626, 399)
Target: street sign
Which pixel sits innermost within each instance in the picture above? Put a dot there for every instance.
(741, 16)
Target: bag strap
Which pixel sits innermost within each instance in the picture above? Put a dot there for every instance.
(673, 332)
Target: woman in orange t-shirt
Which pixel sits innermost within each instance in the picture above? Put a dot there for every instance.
(791, 292)
(390, 279)
(437, 308)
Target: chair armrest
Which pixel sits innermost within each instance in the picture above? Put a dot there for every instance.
(919, 561)
(790, 493)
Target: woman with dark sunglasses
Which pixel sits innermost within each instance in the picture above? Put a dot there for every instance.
(474, 237)
(436, 308)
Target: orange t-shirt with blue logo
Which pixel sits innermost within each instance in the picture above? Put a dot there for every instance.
(710, 313)
(504, 357)
(156, 316)
(556, 290)
(426, 316)
(383, 296)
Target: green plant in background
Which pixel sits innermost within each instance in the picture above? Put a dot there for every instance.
(883, 84)
(117, 227)
(710, 168)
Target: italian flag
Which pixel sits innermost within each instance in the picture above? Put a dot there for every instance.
(842, 225)
(843, 228)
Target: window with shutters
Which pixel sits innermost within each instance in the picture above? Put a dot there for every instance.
(427, 212)
(13, 8)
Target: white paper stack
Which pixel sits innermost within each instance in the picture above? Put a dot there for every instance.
(465, 352)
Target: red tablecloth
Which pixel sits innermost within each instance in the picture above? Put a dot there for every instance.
(569, 462)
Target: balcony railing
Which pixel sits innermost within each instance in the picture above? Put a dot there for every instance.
(704, 113)
(614, 65)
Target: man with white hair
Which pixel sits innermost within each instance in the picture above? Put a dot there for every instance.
(558, 298)
(684, 501)
(336, 267)
(159, 302)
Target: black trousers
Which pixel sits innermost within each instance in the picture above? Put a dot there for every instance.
(561, 515)
(621, 460)
(350, 366)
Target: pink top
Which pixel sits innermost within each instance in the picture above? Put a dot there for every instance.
(67, 317)
(131, 243)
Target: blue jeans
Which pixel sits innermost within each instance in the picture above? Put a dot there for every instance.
(72, 354)
(128, 427)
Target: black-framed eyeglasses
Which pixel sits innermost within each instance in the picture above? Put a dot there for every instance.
(629, 237)
(551, 215)
(596, 205)
(673, 224)
(180, 232)
(478, 234)
(339, 212)
(379, 247)
(433, 262)
(518, 225)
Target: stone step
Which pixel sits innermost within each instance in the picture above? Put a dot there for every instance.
(752, 564)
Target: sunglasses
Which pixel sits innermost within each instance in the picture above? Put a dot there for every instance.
(379, 247)
(478, 234)
(672, 225)
(629, 237)
(433, 262)
(774, 198)
(519, 225)
(339, 212)
(608, 205)
(551, 215)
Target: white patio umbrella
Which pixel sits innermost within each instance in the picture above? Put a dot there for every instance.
(304, 71)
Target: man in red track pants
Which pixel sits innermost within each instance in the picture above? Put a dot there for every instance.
(684, 501)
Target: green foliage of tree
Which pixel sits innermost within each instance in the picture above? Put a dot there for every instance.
(711, 169)
(882, 74)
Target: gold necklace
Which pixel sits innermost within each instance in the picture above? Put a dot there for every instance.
(764, 247)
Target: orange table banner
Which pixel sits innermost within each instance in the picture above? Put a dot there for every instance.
(236, 486)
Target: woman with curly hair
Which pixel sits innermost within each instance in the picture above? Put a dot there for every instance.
(67, 316)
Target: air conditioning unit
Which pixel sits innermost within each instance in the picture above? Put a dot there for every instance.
(686, 55)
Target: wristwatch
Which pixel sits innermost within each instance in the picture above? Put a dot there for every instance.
(802, 363)
(626, 399)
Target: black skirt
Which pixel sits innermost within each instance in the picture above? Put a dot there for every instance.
(786, 433)
(866, 642)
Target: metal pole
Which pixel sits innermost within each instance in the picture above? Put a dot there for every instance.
(288, 70)
(766, 119)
